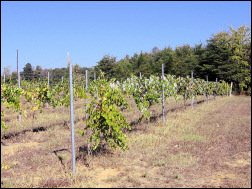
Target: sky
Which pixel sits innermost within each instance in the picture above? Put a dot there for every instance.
(45, 31)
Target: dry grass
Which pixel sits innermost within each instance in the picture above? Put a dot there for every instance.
(209, 146)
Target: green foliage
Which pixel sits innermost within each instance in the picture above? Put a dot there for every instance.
(27, 72)
(104, 117)
(185, 60)
(3, 166)
(10, 97)
(107, 65)
(38, 94)
(227, 57)
(123, 69)
(144, 92)
(38, 72)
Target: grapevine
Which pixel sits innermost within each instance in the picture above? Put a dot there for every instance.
(104, 117)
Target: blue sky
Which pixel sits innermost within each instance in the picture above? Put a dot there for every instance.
(45, 31)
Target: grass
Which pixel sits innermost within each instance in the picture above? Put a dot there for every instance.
(209, 146)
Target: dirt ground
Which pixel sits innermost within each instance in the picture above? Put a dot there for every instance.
(209, 146)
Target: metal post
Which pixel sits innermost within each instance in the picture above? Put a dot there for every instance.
(192, 92)
(90, 131)
(231, 88)
(48, 86)
(94, 75)
(86, 93)
(216, 89)
(227, 88)
(17, 63)
(19, 116)
(163, 94)
(4, 78)
(140, 75)
(18, 79)
(48, 78)
(207, 93)
(72, 116)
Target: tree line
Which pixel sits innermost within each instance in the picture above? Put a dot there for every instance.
(226, 56)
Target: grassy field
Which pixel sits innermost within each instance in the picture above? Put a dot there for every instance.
(209, 146)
